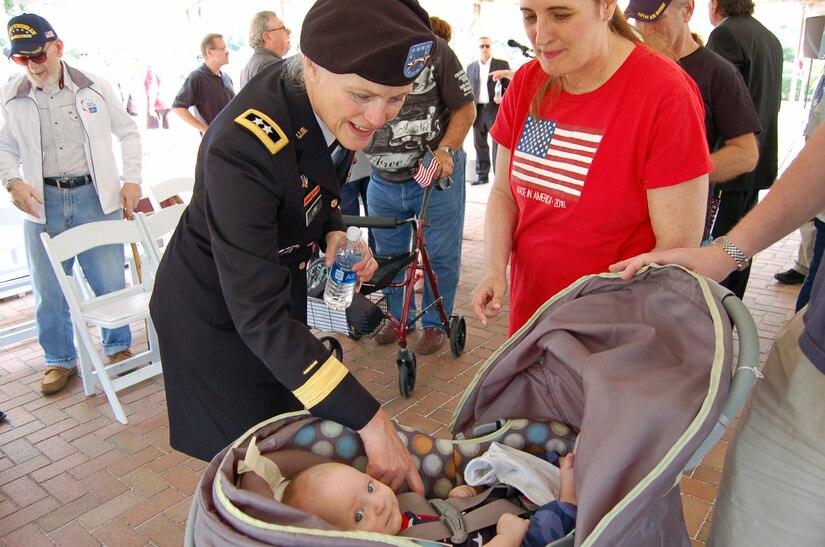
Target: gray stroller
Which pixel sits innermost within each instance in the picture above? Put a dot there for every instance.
(640, 370)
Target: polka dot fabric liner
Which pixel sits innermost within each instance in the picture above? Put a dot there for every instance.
(441, 462)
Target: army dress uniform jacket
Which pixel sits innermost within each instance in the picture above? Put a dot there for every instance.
(229, 301)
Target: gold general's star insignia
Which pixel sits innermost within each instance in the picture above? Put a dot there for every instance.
(264, 128)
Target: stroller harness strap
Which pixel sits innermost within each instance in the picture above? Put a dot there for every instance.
(457, 516)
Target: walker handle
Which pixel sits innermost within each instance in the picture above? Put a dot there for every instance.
(375, 222)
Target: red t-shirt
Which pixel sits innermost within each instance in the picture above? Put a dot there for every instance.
(580, 173)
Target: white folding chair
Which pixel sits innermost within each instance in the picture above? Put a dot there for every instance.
(113, 310)
(161, 191)
(157, 229)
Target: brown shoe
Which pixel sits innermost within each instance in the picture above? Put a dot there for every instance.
(56, 379)
(430, 341)
(386, 335)
(120, 356)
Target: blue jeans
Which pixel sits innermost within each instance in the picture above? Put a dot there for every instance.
(443, 237)
(350, 192)
(816, 263)
(102, 266)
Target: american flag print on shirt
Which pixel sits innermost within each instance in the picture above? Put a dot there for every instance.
(553, 158)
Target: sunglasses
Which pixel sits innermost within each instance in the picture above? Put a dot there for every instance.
(23, 60)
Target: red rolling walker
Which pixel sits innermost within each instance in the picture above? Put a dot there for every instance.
(389, 267)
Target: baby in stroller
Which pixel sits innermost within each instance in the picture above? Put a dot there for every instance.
(352, 500)
(643, 366)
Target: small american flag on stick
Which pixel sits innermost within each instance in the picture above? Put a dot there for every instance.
(427, 169)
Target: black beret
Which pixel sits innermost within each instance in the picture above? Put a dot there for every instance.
(387, 42)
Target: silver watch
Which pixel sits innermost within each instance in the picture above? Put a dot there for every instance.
(733, 251)
(447, 149)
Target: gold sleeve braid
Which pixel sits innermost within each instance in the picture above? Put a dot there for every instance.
(322, 383)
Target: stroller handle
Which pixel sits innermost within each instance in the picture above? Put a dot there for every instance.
(746, 372)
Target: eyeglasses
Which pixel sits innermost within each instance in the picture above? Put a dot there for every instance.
(279, 28)
(23, 60)
(484, 46)
(225, 48)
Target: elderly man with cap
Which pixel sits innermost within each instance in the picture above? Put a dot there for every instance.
(731, 121)
(59, 123)
(269, 37)
(230, 297)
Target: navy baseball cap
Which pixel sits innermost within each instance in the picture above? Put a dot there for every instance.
(29, 34)
(646, 10)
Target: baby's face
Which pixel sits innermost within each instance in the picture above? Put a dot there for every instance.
(353, 500)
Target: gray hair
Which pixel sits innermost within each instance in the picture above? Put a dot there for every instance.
(293, 72)
(259, 25)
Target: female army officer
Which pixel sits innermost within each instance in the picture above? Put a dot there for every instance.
(230, 297)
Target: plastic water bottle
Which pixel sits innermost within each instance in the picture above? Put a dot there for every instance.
(498, 90)
(341, 282)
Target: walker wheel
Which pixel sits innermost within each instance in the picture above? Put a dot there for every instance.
(334, 347)
(406, 371)
(458, 334)
(353, 332)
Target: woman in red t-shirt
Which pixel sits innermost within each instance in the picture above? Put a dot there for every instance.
(601, 156)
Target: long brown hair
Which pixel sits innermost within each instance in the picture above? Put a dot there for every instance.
(550, 89)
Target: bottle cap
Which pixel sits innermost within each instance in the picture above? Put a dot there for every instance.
(353, 233)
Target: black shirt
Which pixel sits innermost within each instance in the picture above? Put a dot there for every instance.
(207, 92)
(729, 111)
(757, 53)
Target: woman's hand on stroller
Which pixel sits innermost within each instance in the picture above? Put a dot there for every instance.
(389, 459)
(488, 296)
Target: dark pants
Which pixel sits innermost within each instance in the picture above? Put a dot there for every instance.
(816, 264)
(733, 206)
(485, 118)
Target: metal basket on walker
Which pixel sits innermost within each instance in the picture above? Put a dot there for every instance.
(364, 317)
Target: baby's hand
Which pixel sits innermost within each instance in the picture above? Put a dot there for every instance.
(463, 491)
(567, 491)
(510, 530)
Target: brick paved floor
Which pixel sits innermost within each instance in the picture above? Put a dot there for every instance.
(71, 475)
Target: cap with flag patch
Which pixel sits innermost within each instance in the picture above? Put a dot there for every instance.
(388, 45)
(29, 34)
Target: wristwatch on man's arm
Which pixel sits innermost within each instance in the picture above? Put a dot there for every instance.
(8, 183)
(447, 149)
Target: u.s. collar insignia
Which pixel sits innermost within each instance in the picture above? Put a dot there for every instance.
(301, 132)
(417, 59)
(264, 128)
